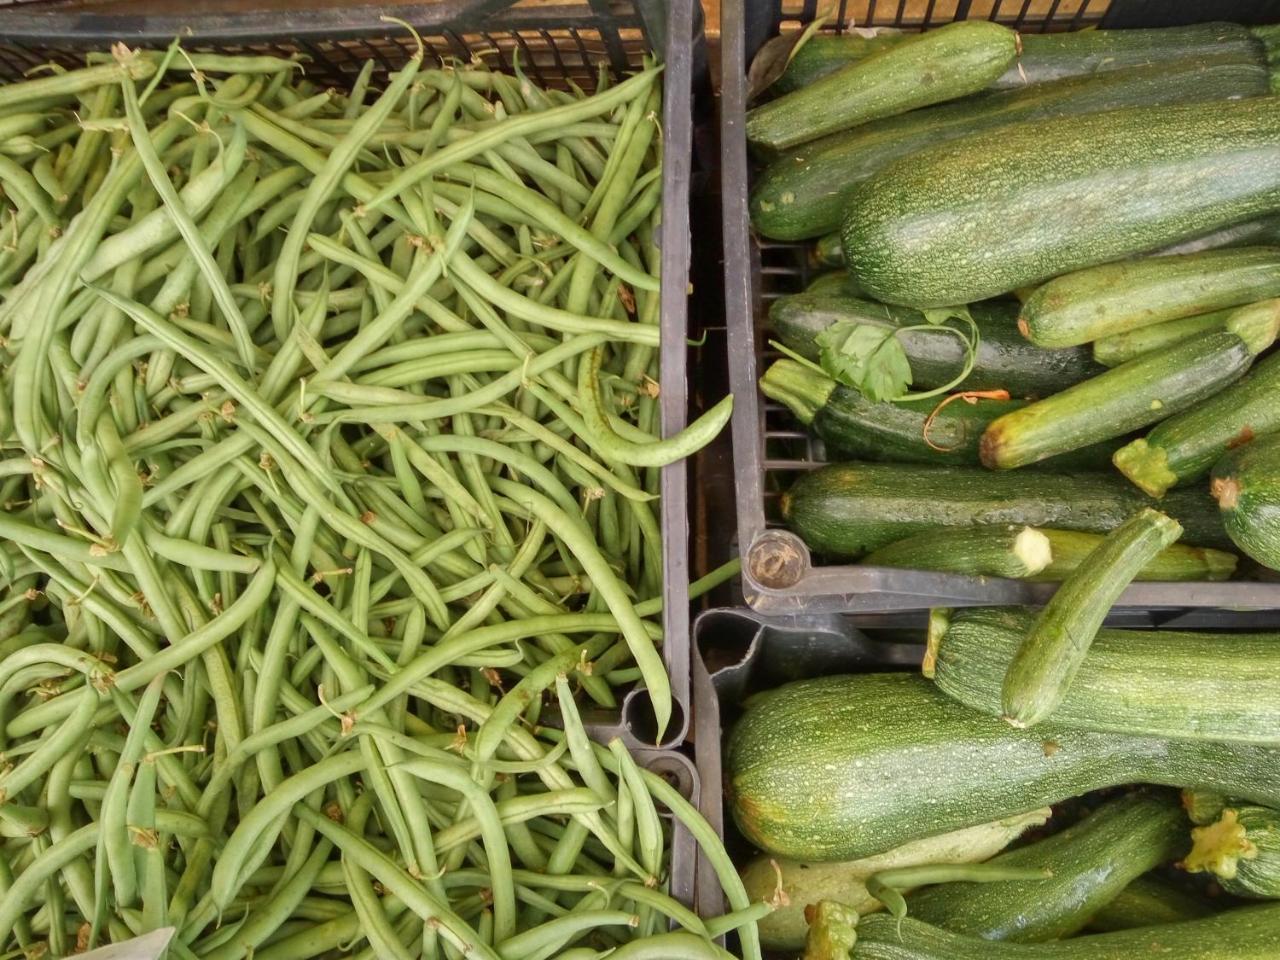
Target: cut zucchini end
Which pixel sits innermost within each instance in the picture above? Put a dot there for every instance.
(1033, 550)
(1257, 324)
(939, 620)
(1219, 847)
(1226, 490)
(1219, 565)
(1147, 467)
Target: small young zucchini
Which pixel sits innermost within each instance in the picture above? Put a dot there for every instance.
(1176, 562)
(805, 884)
(1123, 347)
(1151, 682)
(1146, 902)
(1117, 297)
(1204, 806)
(952, 61)
(1185, 447)
(1131, 396)
(1046, 662)
(828, 253)
(1241, 849)
(1246, 484)
(988, 551)
(1250, 933)
(1089, 863)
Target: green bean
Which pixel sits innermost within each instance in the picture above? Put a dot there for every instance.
(886, 885)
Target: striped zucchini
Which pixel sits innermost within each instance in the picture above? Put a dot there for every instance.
(848, 509)
(1146, 902)
(842, 767)
(1185, 447)
(845, 881)
(1122, 347)
(1043, 668)
(991, 551)
(1242, 851)
(1149, 682)
(1176, 562)
(1246, 484)
(1247, 934)
(1112, 298)
(801, 193)
(996, 211)
(1046, 56)
(1132, 395)
(1089, 862)
(952, 61)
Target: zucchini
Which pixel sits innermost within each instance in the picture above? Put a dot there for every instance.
(1176, 562)
(926, 68)
(801, 193)
(829, 253)
(805, 884)
(1242, 851)
(1004, 360)
(841, 767)
(1132, 395)
(1045, 56)
(1148, 901)
(999, 210)
(1157, 683)
(1101, 301)
(990, 551)
(1203, 806)
(1122, 347)
(1247, 934)
(832, 931)
(843, 510)
(833, 282)
(1246, 484)
(825, 53)
(1043, 668)
(1265, 231)
(1089, 862)
(1185, 447)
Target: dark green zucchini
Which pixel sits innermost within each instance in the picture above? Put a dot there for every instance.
(999, 210)
(1246, 484)
(1044, 665)
(1112, 298)
(1148, 901)
(1177, 562)
(1123, 347)
(828, 252)
(842, 767)
(989, 551)
(1133, 395)
(1247, 934)
(1046, 56)
(1242, 851)
(944, 64)
(1004, 360)
(805, 884)
(801, 194)
(1089, 862)
(1185, 447)
(851, 426)
(843, 510)
(1148, 682)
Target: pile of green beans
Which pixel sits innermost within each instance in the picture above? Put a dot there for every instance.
(329, 457)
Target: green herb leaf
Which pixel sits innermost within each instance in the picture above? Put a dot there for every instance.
(868, 358)
(940, 315)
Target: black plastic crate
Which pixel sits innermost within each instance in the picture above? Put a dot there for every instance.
(770, 447)
(738, 652)
(557, 45)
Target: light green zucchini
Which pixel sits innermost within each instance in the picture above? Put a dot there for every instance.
(1176, 562)
(1123, 347)
(1242, 850)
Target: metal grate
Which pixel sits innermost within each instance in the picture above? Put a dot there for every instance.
(770, 447)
